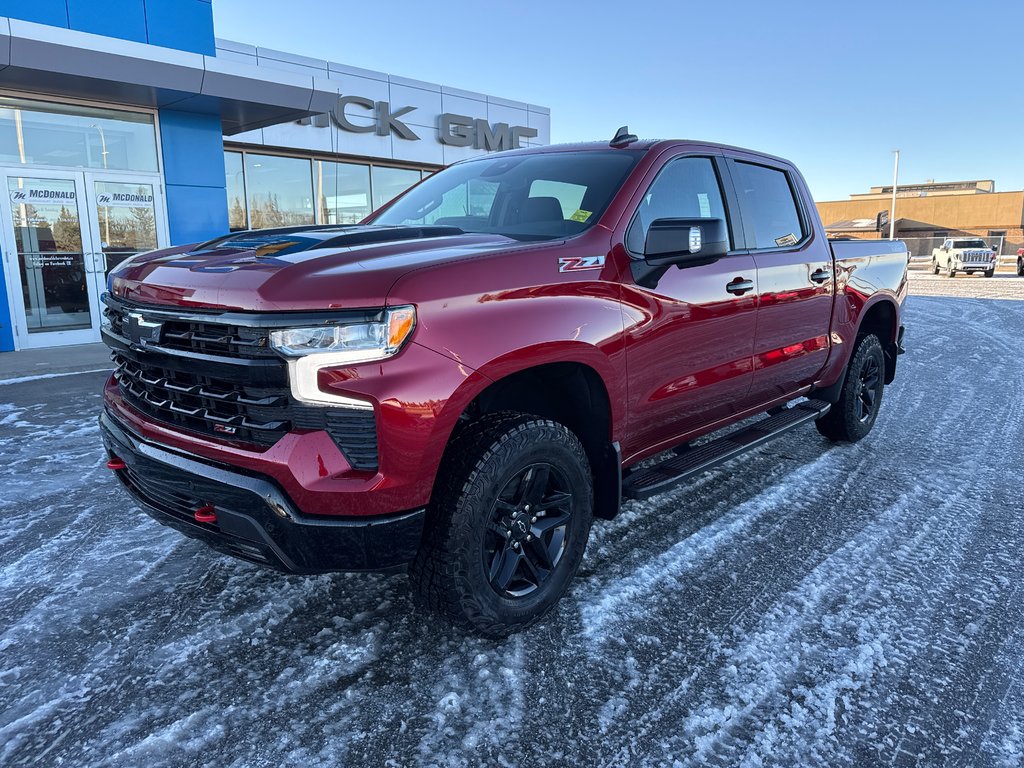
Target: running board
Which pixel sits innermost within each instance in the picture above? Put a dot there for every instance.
(648, 482)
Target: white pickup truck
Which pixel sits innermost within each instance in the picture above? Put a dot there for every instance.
(964, 255)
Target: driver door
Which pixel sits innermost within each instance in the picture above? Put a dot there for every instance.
(690, 338)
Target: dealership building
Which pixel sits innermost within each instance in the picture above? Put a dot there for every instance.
(126, 125)
(929, 212)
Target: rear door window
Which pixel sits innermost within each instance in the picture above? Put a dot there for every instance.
(770, 211)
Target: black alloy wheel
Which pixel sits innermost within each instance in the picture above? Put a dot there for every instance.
(528, 530)
(853, 414)
(870, 388)
(507, 525)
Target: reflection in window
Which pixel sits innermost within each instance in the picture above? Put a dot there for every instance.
(343, 192)
(127, 217)
(280, 191)
(768, 206)
(389, 183)
(235, 178)
(464, 205)
(72, 136)
(569, 196)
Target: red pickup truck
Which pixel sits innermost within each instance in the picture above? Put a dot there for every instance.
(462, 382)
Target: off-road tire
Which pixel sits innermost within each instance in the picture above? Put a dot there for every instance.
(949, 269)
(1020, 267)
(448, 574)
(935, 266)
(843, 421)
(989, 272)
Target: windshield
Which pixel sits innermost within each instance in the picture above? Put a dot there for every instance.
(527, 197)
(969, 244)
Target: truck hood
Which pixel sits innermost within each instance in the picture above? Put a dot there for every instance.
(296, 269)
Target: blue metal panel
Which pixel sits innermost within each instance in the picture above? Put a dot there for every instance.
(193, 147)
(124, 19)
(52, 12)
(183, 24)
(196, 213)
(193, 153)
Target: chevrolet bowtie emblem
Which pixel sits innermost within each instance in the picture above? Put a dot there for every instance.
(141, 331)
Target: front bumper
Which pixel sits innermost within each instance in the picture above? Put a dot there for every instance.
(255, 520)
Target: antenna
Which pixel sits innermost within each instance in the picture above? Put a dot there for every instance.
(623, 138)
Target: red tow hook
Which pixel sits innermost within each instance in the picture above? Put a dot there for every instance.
(116, 464)
(205, 514)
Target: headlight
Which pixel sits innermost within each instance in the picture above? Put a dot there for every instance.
(349, 342)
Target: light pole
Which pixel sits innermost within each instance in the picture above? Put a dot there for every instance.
(895, 182)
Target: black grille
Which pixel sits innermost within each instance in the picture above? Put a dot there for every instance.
(222, 380)
(203, 403)
(203, 337)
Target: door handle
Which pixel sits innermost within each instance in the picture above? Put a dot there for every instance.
(739, 286)
(821, 275)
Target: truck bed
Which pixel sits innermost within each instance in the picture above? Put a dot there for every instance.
(858, 250)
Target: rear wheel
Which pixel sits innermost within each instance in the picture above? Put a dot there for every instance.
(507, 526)
(853, 416)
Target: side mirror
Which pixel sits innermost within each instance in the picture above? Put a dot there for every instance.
(685, 241)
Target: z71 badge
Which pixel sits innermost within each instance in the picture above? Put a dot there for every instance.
(577, 263)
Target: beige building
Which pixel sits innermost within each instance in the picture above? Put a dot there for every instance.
(934, 210)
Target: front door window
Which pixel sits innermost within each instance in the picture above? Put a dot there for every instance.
(50, 255)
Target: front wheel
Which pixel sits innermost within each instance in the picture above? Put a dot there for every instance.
(1020, 267)
(989, 272)
(507, 525)
(950, 269)
(935, 266)
(853, 416)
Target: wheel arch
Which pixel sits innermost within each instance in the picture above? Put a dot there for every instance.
(573, 393)
(881, 317)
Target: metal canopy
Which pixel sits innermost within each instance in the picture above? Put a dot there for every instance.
(61, 62)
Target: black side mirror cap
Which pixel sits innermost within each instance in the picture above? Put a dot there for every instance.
(685, 241)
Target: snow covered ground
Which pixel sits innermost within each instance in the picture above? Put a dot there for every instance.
(1002, 285)
(810, 604)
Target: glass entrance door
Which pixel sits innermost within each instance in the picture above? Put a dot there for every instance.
(127, 218)
(49, 254)
(64, 232)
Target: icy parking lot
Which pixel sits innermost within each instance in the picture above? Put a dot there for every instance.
(811, 604)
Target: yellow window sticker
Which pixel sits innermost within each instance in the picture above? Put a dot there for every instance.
(580, 215)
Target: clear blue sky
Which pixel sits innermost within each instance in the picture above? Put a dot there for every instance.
(833, 86)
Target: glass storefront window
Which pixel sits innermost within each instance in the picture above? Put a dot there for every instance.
(279, 189)
(343, 192)
(235, 177)
(266, 191)
(389, 183)
(72, 136)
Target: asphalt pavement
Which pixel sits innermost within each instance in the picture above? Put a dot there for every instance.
(809, 604)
